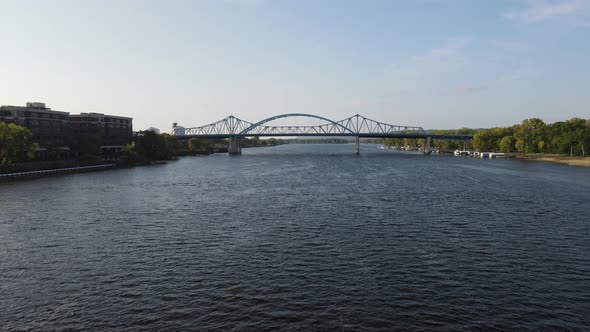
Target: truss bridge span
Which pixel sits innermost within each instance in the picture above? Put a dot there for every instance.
(356, 126)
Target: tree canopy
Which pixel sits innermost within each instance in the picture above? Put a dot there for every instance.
(530, 136)
(535, 136)
(15, 143)
(149, 146)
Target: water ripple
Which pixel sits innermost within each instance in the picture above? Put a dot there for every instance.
(303, 239)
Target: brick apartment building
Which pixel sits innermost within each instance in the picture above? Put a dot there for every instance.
(49, 128)
(55, 129)
(112, 130)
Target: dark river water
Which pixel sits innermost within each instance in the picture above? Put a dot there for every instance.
(300, 238)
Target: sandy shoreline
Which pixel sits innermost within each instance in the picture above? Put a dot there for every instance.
(575, 161)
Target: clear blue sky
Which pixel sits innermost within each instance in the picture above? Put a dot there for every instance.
(432, 63)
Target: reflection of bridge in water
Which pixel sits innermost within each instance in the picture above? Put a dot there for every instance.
(356, 126)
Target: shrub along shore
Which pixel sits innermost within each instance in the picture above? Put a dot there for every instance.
(19, 154)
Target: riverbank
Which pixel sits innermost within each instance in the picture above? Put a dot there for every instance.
(575, 161)
(48, 172)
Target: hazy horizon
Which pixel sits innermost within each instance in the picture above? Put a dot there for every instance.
(429, 63)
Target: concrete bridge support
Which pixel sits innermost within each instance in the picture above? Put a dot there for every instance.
(357, 148)
(427, 143)
(234, 145)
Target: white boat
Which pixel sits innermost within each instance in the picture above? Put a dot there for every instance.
(462, 153)
(497, 155)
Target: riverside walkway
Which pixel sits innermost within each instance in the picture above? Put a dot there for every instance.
(68, 170)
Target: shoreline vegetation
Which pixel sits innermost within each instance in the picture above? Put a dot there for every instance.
(19, 160)
(531, 136)
(563, 142)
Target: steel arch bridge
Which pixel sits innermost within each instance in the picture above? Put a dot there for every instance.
(355, 126)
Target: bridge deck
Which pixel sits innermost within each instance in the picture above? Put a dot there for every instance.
(354, 126)
(363, 135)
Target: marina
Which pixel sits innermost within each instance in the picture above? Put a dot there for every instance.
(478, 154)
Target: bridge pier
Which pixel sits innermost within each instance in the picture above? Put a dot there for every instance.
(234, 145)
(357, 148)
(427, 143)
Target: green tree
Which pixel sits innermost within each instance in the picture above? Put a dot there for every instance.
(579, 135)
(172, 146)
(571, 136)
(15, 143)
(489, 139)
(130, 155)
(559, 139)
(450, 145)
(529, 134)
(506, 144)
(150, 146)
(198, 146)
(393, 142)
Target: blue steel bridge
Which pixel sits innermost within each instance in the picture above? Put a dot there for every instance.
(356, 126)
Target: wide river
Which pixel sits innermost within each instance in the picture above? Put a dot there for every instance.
(302, 238)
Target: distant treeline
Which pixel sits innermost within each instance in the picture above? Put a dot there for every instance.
(148, 146)
(317, 140)
(256, 141)
(444, 145)
(535, 136)
(530, 136)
